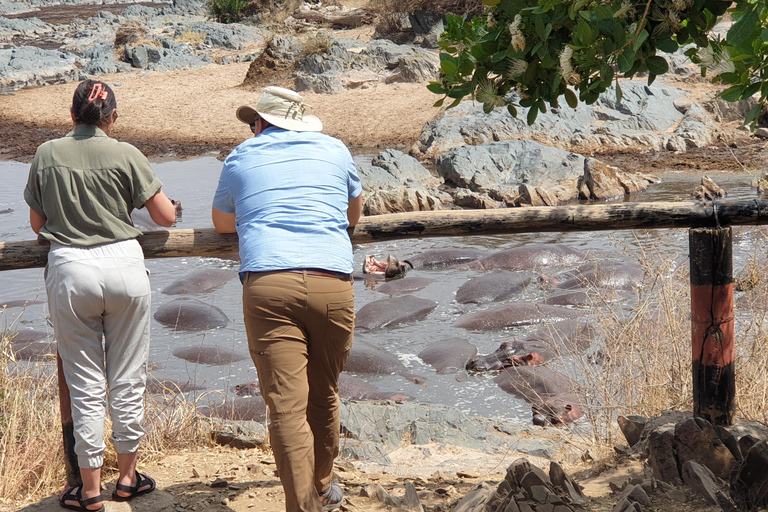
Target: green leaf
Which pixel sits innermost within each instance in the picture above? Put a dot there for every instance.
(742, 30)
(532, 115)
(498, 57)
(466, 66)
(641, 37)
(583, 34)
(491, 3)
(448, 68)
(487, 108)
(455, 103)
(619, 92)
(571, 99)
(435, 87)
(749, 91)
(512, 110)
(657, 65)
(603, 12)
(732, 93)
(753, 113)
(439, 103)
(542, 106)
(626, 60)
(667, 45)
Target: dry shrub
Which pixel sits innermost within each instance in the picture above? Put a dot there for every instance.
(191, 37)
(31, 452)
(130, 32)
(320, 42)
(392, 13)
(31, 462)
(274, 12)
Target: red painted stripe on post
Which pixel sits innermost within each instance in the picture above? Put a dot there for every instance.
(712, 324)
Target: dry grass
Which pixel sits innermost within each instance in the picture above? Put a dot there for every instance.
(31, 453)
(641, 364)
(191, 37)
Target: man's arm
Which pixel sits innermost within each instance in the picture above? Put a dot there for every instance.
(36, 220)
(354, 210)
(224, 222)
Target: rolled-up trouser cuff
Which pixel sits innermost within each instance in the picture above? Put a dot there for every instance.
(126, 446)
(94, 461)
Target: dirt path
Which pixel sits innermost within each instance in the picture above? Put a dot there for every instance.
(178, 114)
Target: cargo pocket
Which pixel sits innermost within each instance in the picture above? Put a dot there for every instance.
(341, 321)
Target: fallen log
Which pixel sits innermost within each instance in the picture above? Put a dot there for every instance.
(352, 18)
(394, 226)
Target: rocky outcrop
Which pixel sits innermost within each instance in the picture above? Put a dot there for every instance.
(727, 466)
(643, 119)
(526, 173)
(341, 64)
(396, 182)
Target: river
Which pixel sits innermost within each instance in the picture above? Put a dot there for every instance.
(193, 183)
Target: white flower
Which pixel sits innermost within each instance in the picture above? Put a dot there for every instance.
(516, 69)
(516, 35)
(715, 60)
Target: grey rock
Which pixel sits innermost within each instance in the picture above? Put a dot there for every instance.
(476, 499)
(702, 480)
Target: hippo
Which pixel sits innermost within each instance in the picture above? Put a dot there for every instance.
(239, 409)
(444, 258)
(409, 285)
(612, 275)
(390, 268)
(350, 388)
(492, 287)
(448, 355)
(203, 280)
(510, 353)
(531, 256)
(157, 386)
(549, 341)
(555, 398)
(32, 345)
(209, 355)
(23, 303)
(393, 311)
(367, 358)
(512, 315)
(190, 314)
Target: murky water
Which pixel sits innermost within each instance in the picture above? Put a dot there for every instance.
(193, 182)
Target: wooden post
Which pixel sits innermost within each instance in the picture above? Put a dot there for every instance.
(712, 324)
(68, 430)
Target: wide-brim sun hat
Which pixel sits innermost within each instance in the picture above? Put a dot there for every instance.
(283, 108)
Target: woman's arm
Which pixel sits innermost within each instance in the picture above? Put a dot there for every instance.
(161, 209)
(36, 220)
(224, 222)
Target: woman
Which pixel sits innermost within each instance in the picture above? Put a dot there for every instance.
(81, 190)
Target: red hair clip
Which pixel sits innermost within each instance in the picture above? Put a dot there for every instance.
(98, 91)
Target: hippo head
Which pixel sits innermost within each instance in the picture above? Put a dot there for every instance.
(547, 414)
(389, 268)
(504, 357)
(248, 389)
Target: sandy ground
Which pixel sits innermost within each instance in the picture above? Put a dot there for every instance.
(188, 113)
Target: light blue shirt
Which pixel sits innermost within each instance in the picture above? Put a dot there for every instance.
(290, 192)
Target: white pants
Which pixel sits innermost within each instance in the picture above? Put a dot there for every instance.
(102, 293)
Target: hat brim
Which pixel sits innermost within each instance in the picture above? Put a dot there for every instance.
(308, 123)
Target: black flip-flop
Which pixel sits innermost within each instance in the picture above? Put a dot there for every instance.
(76, 494)
(141, 481)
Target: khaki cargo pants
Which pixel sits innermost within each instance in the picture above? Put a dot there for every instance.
(300, 329)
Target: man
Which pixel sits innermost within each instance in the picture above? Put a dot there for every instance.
(290, 193)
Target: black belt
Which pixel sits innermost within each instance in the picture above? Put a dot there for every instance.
(322, 273)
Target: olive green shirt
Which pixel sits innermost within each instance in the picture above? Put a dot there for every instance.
(86, 184)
